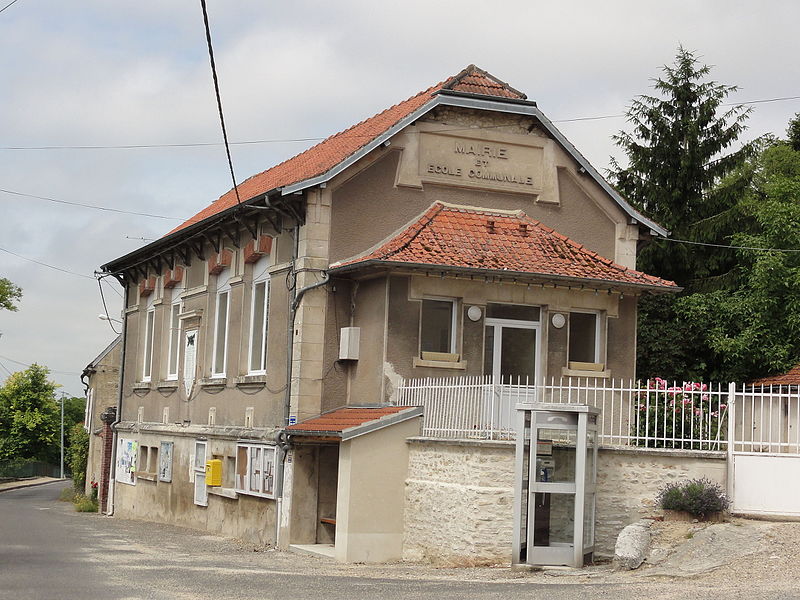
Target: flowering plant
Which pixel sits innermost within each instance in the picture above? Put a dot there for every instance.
(93, 484)
(679, 416)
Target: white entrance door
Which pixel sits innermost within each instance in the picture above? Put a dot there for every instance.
(511, 356)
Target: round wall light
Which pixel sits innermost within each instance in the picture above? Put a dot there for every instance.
(474, 313)
(558, 320)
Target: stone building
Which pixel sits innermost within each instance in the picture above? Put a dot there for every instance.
(101, 379)
(457, 233)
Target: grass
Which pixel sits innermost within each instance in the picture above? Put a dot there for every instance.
(67, 495)
(84, 504)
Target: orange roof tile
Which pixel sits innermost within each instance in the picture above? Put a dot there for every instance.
(472, 238)
(330, 152)
(341, 419)
(791, 377)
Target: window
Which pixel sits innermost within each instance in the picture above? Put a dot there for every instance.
(148, 344)
(199, 470)
(259, 321)
(438, 325)
(255, 470)
(174, 340)
(221, 327)
(584, 337)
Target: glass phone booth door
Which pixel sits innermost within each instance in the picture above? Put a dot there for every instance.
(555, 486)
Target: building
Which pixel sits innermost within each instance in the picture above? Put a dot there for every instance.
(457, 233)
(101, 380)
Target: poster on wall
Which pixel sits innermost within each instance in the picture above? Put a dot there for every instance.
(126, 461)
(165, 464)
(189, 361)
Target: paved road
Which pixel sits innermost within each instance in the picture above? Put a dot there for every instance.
(49, 551)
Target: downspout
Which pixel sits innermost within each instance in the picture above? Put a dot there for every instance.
(118, 417)
(295, 297)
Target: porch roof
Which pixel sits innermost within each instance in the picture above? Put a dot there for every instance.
(504, 243)
(351, 421)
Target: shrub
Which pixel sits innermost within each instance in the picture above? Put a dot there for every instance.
(77, 454)
(685, 416)
(84, 504)
(698, 497)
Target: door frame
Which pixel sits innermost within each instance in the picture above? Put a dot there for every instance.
(498, 340)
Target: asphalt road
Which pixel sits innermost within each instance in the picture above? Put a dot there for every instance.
(49, 551)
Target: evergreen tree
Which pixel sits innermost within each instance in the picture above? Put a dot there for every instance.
(675, 163)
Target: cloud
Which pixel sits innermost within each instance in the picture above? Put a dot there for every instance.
(121, 73)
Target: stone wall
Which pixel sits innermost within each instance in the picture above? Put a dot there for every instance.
(459, 499)
(459, 496)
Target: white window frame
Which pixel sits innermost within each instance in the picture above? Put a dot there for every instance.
(174, 345)
(223, 287)
(453, 325)
(260, 275)
(268, 456)
(88, 411)
(598, 342)
(147, 356)
(199, 471)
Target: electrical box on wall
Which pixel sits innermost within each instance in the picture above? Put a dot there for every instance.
(214, 473)
(349, 342)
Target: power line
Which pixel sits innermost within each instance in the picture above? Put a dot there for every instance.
(5, 369)
(105, 307)
(94, 206)
(729, 247)
(9, 4)
(219, 99)
(16, 362)
(45, 264)
(346, 134)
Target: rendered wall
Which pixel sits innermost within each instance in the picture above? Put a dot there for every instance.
(459, 496)
(250, 518)
(370, 500)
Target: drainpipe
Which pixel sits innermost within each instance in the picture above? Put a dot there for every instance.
(112, 467)
(295, 298)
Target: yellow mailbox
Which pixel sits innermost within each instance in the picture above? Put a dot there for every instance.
(214, 472)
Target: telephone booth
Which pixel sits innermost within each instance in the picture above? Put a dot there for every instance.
(554, 492)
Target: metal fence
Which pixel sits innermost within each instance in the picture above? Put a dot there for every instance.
(653, 414)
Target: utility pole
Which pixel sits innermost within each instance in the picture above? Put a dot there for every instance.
(62, 435)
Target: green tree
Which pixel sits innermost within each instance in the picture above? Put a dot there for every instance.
(754, 329)
(9, 294)
(29, 416)
(676, 161)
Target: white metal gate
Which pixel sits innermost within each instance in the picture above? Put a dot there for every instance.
(764, 451)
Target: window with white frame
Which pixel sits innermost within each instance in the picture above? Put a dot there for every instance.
(221, 324)
(438, 325)
(584, 337)
(147, 363)
(174, 338)
(255, 470)
(259, 318)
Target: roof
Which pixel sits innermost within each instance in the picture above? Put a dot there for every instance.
(103, 354)
(493, 240)
(333, 151)
(352, 421)
(791, 377)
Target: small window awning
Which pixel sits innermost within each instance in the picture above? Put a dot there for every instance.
(352, 421)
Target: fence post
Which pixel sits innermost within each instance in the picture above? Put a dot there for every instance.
(731, 436)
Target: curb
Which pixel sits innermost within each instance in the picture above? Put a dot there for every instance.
(27, 485)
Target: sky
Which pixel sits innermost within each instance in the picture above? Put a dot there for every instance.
(99, 73)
